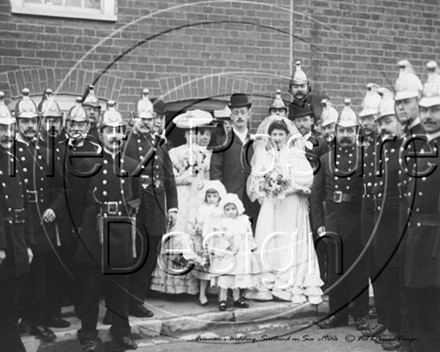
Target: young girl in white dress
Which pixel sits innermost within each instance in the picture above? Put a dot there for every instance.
(233, 264)
(201, 226)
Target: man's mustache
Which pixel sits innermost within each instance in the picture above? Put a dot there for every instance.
(345, 139)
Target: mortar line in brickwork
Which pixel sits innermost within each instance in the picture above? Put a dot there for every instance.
(291, 37)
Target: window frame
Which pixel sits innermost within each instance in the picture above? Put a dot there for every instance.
(108, 13)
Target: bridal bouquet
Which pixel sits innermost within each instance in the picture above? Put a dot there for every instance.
(273, 184)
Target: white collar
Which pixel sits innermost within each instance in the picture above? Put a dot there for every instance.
(22, 140)
(415, 122)
(112, 153)
(431, 136)
(74, 143)
(307, 136)
(241, 135)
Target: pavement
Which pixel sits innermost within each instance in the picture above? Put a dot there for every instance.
(176, 314)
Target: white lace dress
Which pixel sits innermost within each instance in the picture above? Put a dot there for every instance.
(286, 253)
(191, 170)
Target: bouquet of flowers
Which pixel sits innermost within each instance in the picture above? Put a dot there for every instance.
(273, 184)
(196, 163)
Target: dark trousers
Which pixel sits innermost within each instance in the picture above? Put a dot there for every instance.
(10, 339)
(140, 281)
(321, 249)
(116, 301)
(390, 281)
(424, 311)
(379, 290)
(352, 284)
(152, 225)
(36, 293)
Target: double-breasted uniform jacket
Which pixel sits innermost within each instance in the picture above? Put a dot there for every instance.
(319, 149)
(71, 155)
(410, 144)
(155, 171)
(104, 203)
(368, 146)
(16, 229)
(422, 255)
(231, 165)
(44, 185)
(387, 238)
(339, 184)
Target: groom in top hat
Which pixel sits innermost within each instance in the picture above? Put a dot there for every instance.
(232, 153)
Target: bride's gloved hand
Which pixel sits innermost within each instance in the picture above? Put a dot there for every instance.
(321, 231)
(305, 191)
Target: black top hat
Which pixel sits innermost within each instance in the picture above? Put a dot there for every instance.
(239, 100)
(300, 111)
(159, 106)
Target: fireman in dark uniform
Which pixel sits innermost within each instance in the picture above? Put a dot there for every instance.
(422, 255)
(408, 88)
(105, 201)
(300, 87)
(339, 185)
(16, 234)
(159, 198)
(42, 177)
(92, 107)
(73, 146)
(386, 258)
(369, 136)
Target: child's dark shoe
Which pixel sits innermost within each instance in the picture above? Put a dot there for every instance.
(240, 304)
(222, 306)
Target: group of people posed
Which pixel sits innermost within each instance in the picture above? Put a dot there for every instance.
(92, 208)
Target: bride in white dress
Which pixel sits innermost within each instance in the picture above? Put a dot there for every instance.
(281, 179)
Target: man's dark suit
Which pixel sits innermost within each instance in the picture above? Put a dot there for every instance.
(231, 164)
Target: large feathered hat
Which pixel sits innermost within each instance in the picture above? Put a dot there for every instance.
(223, 113)
(431, 90)
(192, 119)
(408, 85)
(347, 118)
(370, 105)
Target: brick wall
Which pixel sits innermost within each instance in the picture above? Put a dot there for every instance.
(183, 49)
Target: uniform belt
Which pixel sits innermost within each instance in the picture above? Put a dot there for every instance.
(425, 220)
(33, 196)
(16, 216)
(111, 208)
(339, 197)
